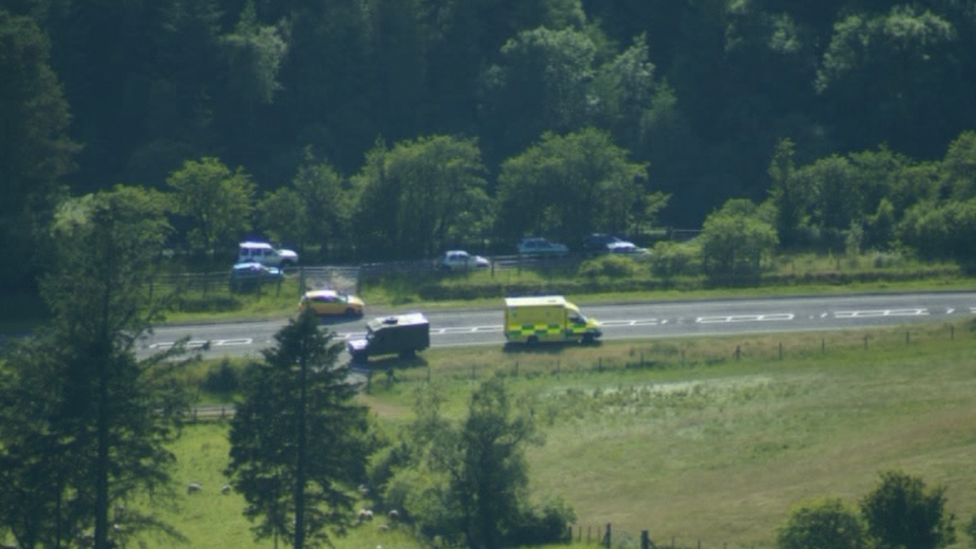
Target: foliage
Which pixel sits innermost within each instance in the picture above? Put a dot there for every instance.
(216, 201)
(971, 531)
(539, 86)
(254, 53)
(819, 524)
(613, 266)
(472, 478)
(35, 151)
(941, 231)
(568, 186)
(421, 196)
(900, 512)
(222, 378)
(297, 441)
(671, 259)
(734, 240)
(85, 424)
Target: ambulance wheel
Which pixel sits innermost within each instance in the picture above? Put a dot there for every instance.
(532, 340)
(588, 339)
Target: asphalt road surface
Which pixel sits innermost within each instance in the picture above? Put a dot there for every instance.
(622, 320)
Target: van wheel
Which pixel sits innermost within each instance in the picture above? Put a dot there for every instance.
(349, 312)
(409, 353)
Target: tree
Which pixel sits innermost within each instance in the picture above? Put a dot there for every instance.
(297, 442)
(216, 201)
(85, 423)
(421, 196)
(734, 241)
(541, 86)
(881, 77)
(941, 231)
(789, 198)
(569, 186)
(328, 201)
(959, 165)
(900, 512)
(471, 478)
(822, 524)
(35, 151)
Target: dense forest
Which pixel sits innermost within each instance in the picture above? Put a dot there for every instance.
(656, 109)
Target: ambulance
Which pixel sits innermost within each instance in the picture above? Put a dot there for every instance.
(534, 320)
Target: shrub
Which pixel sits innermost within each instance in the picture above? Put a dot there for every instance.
(612, 266)
(672, 259)
(826, 523)
(222, 378)
(542, 525)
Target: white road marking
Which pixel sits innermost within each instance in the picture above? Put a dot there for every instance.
(198, 343)
(745, 318)
(881, 313)
(641, 322)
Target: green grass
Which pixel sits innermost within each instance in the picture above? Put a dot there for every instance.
(681, 438)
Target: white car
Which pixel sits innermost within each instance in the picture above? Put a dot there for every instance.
(460, 260)
(265, 254)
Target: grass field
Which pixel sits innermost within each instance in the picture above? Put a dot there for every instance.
(682, 438)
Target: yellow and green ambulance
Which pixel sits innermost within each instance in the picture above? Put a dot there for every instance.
(547, 319)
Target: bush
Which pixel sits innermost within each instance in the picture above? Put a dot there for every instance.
(672, 259)
(222, 378)
(826, 523)
(612, 266)
(543, 525)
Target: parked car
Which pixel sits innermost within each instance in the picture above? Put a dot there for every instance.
(265, 254)
(250, 275)
(536, 246)
(599, 243)
(624, 247)
(460, 260)
(331, 302)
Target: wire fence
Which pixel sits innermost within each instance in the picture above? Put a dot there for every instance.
(610, 537)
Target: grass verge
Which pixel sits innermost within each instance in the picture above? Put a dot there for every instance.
(683, 439)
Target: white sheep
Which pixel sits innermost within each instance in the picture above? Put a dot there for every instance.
(225, 489)
(365, 515)
(193, 487)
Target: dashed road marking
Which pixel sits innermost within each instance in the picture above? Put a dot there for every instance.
(776, 317)
(199, 343)
(881, 313)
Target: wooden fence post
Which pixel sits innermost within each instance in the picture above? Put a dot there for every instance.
(606, 537)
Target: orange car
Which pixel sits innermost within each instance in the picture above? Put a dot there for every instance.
(331, 302)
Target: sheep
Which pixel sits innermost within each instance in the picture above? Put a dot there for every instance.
(394, 515)
(193, 487)
(225, 489)
(365, 515)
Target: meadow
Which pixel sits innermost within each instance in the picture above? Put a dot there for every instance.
(698, 445)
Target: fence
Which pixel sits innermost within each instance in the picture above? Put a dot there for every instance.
(610, 538)
(553, 360)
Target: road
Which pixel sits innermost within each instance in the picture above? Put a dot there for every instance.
(625, 320)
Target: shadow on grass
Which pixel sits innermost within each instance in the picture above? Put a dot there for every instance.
(548, 348)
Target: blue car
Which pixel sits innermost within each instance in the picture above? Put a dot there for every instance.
(249, 276)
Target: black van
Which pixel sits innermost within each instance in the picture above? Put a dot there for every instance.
(403, 335)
